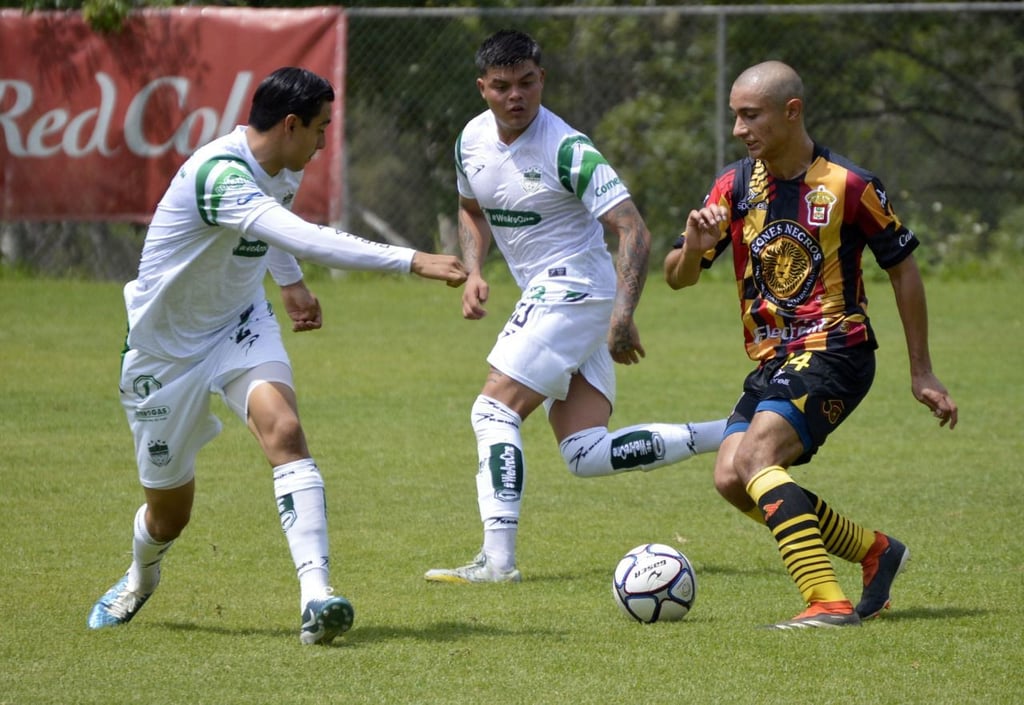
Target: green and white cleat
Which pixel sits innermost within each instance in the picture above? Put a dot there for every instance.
(326, 618)
(479, 571)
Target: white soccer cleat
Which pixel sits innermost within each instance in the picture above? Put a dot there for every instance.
(479, 571)
(117, 606)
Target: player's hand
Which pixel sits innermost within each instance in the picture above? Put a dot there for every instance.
(447, 268)
(474, 296)
(624, 342)
(703, 226)
(929, 391)
(302, 307)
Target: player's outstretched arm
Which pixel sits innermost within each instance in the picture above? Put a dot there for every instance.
(444, 267)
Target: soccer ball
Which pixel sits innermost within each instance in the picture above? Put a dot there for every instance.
(654, 583)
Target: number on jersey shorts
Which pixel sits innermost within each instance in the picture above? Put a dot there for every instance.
(544, 343)
(168, 402)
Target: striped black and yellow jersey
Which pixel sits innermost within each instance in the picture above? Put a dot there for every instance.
(797, 249)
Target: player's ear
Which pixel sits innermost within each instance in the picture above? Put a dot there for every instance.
(794, 108)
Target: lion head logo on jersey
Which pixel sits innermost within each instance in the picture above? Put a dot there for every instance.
(786, 261)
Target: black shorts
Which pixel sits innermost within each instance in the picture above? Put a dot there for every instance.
(814, 391)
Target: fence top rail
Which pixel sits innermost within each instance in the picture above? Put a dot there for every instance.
(696, 10)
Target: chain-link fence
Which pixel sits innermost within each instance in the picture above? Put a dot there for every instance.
(930, 96)
(927, 95)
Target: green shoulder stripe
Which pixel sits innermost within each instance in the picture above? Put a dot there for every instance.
(228, 173)
(576, 177)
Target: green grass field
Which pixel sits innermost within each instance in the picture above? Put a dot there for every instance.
(385, 390)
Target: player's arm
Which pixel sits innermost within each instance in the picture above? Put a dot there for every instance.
(625, 222)
(229, 197)
(703, 230)
(281, 228)
(474, 241)
(911, 304)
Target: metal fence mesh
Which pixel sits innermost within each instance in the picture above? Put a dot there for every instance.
(929, 100)
(930, 96)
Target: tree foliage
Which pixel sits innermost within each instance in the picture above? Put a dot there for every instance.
(933, 102)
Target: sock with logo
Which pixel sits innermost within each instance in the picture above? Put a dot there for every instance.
(843, 537)
(302, 508)
(790, 517)
(144, 572)
(594, 452)
(500, 478)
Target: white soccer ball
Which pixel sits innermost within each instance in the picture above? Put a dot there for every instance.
(654, 583)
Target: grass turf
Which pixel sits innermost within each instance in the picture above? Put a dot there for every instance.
(385, 390)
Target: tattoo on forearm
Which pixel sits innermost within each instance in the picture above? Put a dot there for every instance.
(633, 254)
(468, 244)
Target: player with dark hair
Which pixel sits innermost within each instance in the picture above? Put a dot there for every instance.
(798, 218)
(289, 90)
(546, 196)
(199, 323)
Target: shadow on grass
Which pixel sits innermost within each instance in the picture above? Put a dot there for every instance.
(713, 569)
(601, 573)
(898, 614)
(439, 632)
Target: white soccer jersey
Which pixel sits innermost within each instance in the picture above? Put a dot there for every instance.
(222, 222)
(542, 196)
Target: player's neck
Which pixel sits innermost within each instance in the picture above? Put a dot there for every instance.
(263, 150)
(794, 162)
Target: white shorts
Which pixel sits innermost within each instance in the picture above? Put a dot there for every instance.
(550, 336)
(167, 402)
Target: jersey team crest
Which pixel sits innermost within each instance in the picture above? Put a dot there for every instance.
(531, 179)
(820, 202)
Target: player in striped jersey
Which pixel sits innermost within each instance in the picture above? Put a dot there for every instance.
(546, 196)
(200, 323)
(798, 219)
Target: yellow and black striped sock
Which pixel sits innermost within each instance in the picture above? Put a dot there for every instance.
(843, 537)
(756, 514)
(790, 516)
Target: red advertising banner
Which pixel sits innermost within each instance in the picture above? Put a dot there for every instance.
(93, 126)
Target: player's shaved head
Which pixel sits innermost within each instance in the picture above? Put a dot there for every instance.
(767, 100)
(774, 80)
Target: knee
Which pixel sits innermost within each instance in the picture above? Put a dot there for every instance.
(286, 428)
(731, 487)
(167, 524)
(285, 435)
(728, 483)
